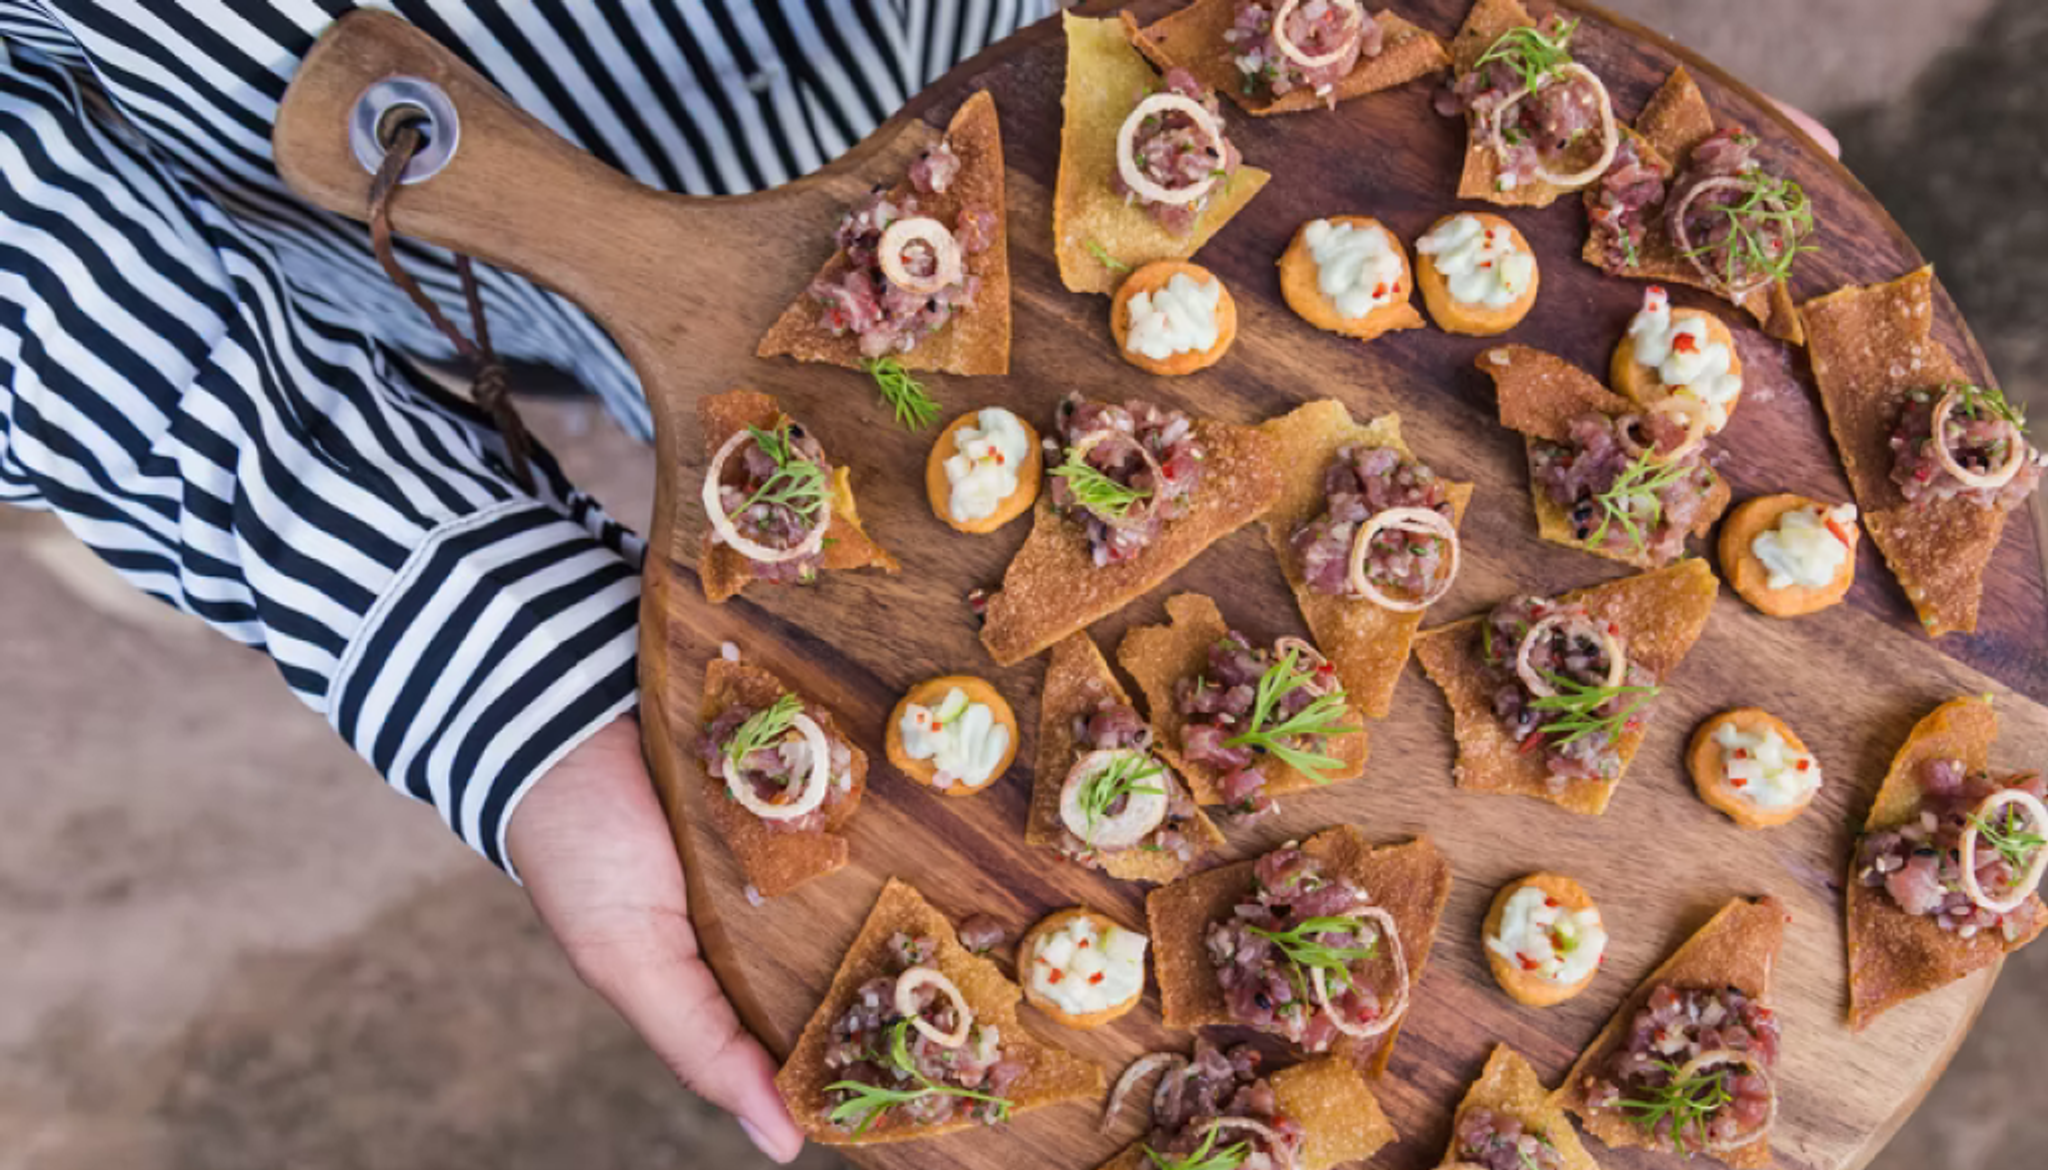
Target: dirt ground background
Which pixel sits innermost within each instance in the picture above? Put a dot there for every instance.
(227, 946)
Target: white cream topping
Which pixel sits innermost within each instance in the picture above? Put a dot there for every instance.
(1767, 771)
(988, 453)
(1082, 969)
(1481, 264)
(1800, 550)
(1177, 317)
(1357, 266)
(1542, 938)
(1686, 357)
(964, 740)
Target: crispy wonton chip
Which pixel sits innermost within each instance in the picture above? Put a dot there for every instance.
(1192, 39)
(977, 339)
(1051, 1074)
(1660, 614)
(1341, 1120)
(1509, 1086)
(1410, 881)
(1106, 78)
(1481, 176)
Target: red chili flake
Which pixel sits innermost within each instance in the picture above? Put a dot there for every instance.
(1741, 753)
(1380, 289)
(1685, 343)
(1085, 942)
(1095, 978)
(1056, 975)
(1000, 458)
(1738, 782)
(1528, 964)
(1841, 535)
(1614, 629)
(1531, 744)
(1486, 263)
(1805, 764)
(1550, 903)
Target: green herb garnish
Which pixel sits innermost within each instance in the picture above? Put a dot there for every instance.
(1103, 257)
(1976, 400)
(1205, 1157)
(1122, 776)
(1689, 1103)
(867, 1102)
(1631, 500)
(1765, 230)
(1322, 717)
(798, 483)
(1095, 491)
(2013, 843)
(905, 395)
(1532, 54)
(764, 728)
(1304, 952)
(1576, 709)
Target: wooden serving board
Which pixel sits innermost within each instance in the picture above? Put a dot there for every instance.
(688, 285)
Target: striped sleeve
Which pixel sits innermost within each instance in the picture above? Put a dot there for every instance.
(234, 448)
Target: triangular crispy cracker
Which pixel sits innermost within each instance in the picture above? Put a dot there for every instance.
(1539, 393)
(1366, 643)
(847, 546)
(1660, 613)
(1481, 174)
(1341, 1120)
(774, 863)
(1054, 587)
(1895, 956)
(1411, 881)
(1077, 678)
(1737, 948)
(1158, 657)
(977, 339)
(1105, 78)
(1870, 344)
(1509, 1086)
(1192, 38)
(1051, 1074)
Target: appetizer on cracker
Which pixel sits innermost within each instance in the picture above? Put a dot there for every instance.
(1507, 1121)
(1367, 536)
(1280, 56)
(1243, 723)
(1540, 123)
(1606, 477)
(779, 511)
(1544, 939)
(1320, 943)
(1749, 764)
(921, 274)
(1550, 696)
(1683, 352)
(1477, 273)
(1100, 794)
(1147, 171)
(1172, 317)
(1936, 461)
(1082, 969)
(1348, 274)
(1943, 880)
(916, 1037)
(1688, 1064)
(984, 470)
(1788, 555)
(780, 779)
(955, 734)
(1135, 491)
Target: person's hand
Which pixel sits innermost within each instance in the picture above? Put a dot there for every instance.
(1821, 135)
(594, 850)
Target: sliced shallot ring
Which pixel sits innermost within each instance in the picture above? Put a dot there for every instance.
(1694, 413)
(815, 785)
(1420, 520)
(2024, 886)
(1714, 1056)
(1143, 811)
(1683, 238)
(1274, 1142)
(1610, 134)
(963, 1016)
(1997, 477)
(1617, 655)
(1309, 659)
(1141, 511)
(1126, 142)
(947, 266)
(1390, 1015)
(1133, 1073)
(1354, 23)
(729, 535)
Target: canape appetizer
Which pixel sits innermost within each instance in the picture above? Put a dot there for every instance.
(1936, 461)
(1606, 477)
(1280, 56)
(1147, 172)
(780, 779)
(1544, 939)
(1243, 723)
(1788, 555)
(1684, 352)
(1550, 697)
(1082, 969)
(1748, 763)
(955, 734)
(1478, 275)
(921, 274)
(916, 1038)
(1507, 1121)
(1100, 794)
(1318, 943)
(984, 470)
(1367, 536)
(1134, 492)
(778, 510)
(1172, 317)
(1944, 879)
(1541, 124)
(1688, 1063)
(1349, 275)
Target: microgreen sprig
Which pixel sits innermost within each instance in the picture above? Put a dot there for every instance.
(867, 1102)
(914, 409)
(2013, 843)
(763, 728)
(1123, 776)
(1975, 398)
(1767, 228)
(1205, 1157)
(1531, 53)
(1305, 952)
(1097, 492)
(1323, 716)
(1575, 709)
(1103, 257)
(1689, 1103)
(1632, 501)
(798, 483)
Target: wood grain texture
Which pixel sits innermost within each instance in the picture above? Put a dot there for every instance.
(687, 286)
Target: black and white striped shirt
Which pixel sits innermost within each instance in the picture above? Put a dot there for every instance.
(216, 387)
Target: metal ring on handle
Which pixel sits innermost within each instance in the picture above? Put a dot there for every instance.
(390, 102)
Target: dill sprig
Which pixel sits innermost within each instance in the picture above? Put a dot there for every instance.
(1575, 709)
(1121, 777)
(915, 409)
(867, 1102)
(1322, 717)
(1991, 399)
(1305, 952)
(1097, 492)
(2013, 843)
(1205, 1157)
(1689, 1103)
(1631, 500)
(1767, 228)
(1103, 257)
(1532, 54)
(798, 483)
(764, 728)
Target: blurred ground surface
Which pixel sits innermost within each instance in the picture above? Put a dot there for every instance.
(227, 946)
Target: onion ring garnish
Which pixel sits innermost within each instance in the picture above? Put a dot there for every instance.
(1610, 134)
(1143, 811)
(1422, 521)
(1714, 1056)
(729, 535)
(906, 1004)
(2023, 885)
(1274, 1142)
(1683, 238)
(1693, 413)
(1997, 477)
(1617, 655)
(1126, 141)
(1140, 511)
(1348, 34)
(947, 266)
(1309, 660)
(1134, 1072)
(1389, 1016)
(815, 785)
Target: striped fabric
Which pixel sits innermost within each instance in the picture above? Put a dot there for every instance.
(217, 389)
